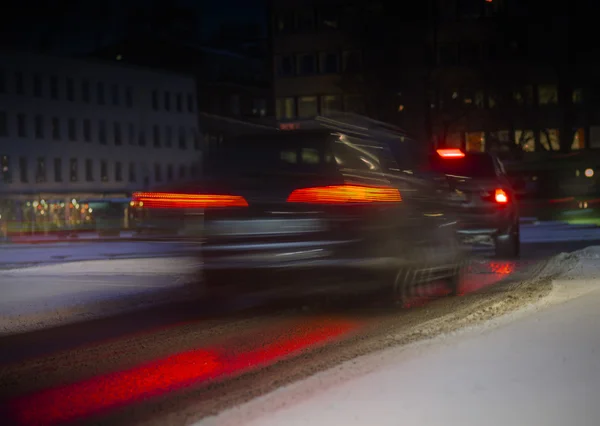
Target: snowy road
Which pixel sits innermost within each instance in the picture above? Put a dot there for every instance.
(178, 363)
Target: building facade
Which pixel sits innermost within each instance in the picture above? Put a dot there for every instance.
(73, 131)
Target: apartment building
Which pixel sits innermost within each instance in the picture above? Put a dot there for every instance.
(73, 130)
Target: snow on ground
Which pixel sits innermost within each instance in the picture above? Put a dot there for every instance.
(24, 254)
(537, 366)
(51, 295)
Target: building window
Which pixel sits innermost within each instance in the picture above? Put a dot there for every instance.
(104, 171)
(170, 172)
(73, 170)
(194, 170)
(118, 171)
(259, 107)
(129, 97)
(85, 91)
(196, 136)
(330, 104)
(286, 108)
(190, 102)
(131, 131)
(475, 141)
(40, 170)
(141, 138)
(5, 169)
(58, 177)
(307, 106)
(89, 170)
(549, 139)
(3, 124)
(70, 90)
(157, 173)
(328, 18)
(37, 86)
(114, 94)
(329, 62)
(54, 87)
(39, 127)
(56, 128)
(578, 139)
(21, 126)
(23, 172)
(87, 130)
(102, 132)
(117, 134)
(547, 94)
(168, 136)
(352, 61)
(156, 136)
(307, 64)
(577, 97)
(20, 83)
(525, 139)
(2, 81)
(179, 102)
(131, 172)
(155, 100)
(167, 101)
(100, 93)
(182, 141)
(305, 19)
(284, 22)
(181, 171)
(285, 66)
(355, 104)
(72, 130)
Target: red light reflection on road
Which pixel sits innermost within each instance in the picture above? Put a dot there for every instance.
(502, 268)
(100, 394)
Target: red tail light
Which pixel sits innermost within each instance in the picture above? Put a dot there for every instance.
(501, 196)
(163, 200)
(450, 153)
(343, 194)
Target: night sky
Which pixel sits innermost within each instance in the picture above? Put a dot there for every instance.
(90, 24)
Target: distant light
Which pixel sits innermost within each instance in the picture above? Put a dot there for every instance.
(489, 1)
(577, 173)
(400, 108)
(589, 173)
(119, 57)
(454, 95)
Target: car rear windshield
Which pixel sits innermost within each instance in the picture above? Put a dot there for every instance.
(471, 165)
(272, 153)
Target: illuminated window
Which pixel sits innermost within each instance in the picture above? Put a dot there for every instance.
(310, 156)
(578, 139)
(475, 141)
(549, 139)
(547, 94)
(525, 139)
(577, 96)
(285, 108)
(307, 106)
(499, 141)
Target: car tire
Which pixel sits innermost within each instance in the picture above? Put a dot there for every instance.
(509, 248)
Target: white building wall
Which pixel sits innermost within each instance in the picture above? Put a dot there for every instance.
(136, 121)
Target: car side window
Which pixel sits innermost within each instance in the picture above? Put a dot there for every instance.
(349, 155)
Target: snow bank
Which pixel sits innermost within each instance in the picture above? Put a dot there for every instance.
(58, 294)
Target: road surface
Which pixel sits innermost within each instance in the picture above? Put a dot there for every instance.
(181, 362)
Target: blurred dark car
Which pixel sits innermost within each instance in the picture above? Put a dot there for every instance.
(489, 212)
(324, 211)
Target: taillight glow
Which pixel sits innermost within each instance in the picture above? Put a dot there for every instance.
(343, 194)
(450, 153)
(163, 200)
(501, 196)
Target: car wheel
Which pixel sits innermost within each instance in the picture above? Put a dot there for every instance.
(509, 246)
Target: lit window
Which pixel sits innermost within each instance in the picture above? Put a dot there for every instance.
(578, 139)
(547, 94)
(307, 106)
(577, 96)
(549, 139)
(525, 139)
(475, 141)
(286, 108)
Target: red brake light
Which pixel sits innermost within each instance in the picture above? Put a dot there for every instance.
(342, 194)
(501, 196)
(164, 200)
(450, 153)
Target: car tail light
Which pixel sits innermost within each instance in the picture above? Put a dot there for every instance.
(450, 153)
(501, 196)
(345, 194)
(164, 200)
